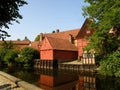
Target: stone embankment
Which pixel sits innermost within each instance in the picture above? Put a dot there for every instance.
(9, 82)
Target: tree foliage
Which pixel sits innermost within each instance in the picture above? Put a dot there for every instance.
(26, 39)
(9, 12)
(7, 44)
(111, 65)
(37, 38)
(106, 15)
(11, 56)
(3, 52)
(27, 56)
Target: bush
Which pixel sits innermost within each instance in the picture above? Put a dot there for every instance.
(27, 56)
(2, 53)
(111, 65)
(11, 56)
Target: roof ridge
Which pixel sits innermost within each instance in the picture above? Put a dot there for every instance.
(66, 30)
(57, 38)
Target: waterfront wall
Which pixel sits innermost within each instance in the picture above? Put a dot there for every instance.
(19, 82)
(84, 64)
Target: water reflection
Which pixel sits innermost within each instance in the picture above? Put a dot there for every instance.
(107, 83)
(67, 81)
(89, 83)
(64, 80)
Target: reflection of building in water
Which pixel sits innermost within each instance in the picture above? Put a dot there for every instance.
(80, 83)
(50, 80)
(59, 82)
(89, 83)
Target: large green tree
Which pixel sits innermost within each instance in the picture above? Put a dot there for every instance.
(9, 12)
(105, 14)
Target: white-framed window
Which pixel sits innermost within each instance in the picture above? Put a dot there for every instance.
(87, 55)
(88, 31)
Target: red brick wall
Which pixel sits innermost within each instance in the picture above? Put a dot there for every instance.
(65, 55)
(58, 55)
(45, 45)
(46, 54)
(81, 44)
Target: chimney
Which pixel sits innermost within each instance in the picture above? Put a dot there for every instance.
(57, 30)
(41, 37)
(70, 38)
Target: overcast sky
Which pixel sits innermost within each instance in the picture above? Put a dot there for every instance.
(44, 16)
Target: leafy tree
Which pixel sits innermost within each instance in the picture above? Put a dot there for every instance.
(111, 65)
(3, 52)
(27, 56)
(9, 12)
(7, 44)
(37, 38)
(11, 56)
(26, 39)
(105, 14)
(18, 39)
(53, 31)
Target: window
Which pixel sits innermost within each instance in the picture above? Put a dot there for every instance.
(88, 32)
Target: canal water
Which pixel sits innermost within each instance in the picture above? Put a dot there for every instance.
(64, 80)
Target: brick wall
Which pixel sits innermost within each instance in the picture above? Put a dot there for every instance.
(82, 43)
(46, 54)
(65, 55)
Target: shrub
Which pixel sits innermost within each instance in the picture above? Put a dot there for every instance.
(11, 56)
(111, 65)
(27, 56)
(2, 53)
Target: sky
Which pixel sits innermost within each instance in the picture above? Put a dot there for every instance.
(44, 16)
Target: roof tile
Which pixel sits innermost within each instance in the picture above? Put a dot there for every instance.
(61, 44)
(63, 35)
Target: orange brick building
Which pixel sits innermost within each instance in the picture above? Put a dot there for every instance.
(59, 46)
(82, 36)
(66, 45)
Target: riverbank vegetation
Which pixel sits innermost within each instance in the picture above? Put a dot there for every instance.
(111, 65)
(10, 56)
(106, 45)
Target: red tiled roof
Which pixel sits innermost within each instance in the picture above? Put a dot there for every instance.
(21, 42)
(60, 40)
(61, 44)
(18, 42)
(35, 44)
(63, 35)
